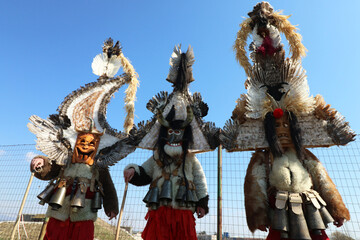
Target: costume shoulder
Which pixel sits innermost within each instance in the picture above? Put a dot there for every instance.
(326, 187)
(255, 188)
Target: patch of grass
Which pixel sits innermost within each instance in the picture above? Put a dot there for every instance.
(103, 231)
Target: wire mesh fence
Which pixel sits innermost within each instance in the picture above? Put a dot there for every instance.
(342, 163)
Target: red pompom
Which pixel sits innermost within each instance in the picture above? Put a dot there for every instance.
(278, 113)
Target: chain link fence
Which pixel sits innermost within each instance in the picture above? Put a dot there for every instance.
(342, 163)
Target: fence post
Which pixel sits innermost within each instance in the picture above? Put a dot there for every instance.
(219, 197)
(43, 228)
(22, 206)
(121, 212)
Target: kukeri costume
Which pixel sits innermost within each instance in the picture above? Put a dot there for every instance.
(177, 180)
(286, 187)
(80, 145)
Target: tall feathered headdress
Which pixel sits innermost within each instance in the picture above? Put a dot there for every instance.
(84, 110)
(277, 82)
(180, 75)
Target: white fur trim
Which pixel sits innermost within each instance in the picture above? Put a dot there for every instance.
(288, 174)
(259, 173)
(193, 171)
(78, 170)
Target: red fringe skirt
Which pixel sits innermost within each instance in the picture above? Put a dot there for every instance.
(167, 223)
(59, 230)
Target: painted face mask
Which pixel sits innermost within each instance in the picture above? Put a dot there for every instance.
(282, 128)
(85, 148)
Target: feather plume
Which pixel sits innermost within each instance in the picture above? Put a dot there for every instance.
(174, 64)
(229, 135)
(111, 155)
(238, 113)
(102, 65)
(50, 139)
(200, 108)
(158, 102)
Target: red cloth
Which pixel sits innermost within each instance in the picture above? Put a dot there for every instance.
(275, 235)
(59, 230)
(167, 223)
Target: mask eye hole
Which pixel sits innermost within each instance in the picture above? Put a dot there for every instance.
(170, 131)
(177, 132)
(286, 125)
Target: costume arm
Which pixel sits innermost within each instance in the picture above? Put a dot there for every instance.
(110, 197)
(326, 188)
(49, 171)
(255, 188)
(143, 173)
(200, 185)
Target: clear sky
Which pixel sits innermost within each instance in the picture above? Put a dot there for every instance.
(47, 48)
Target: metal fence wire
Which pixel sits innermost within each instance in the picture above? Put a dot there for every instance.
(342, 164)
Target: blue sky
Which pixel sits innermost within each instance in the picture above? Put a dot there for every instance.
(47, 48)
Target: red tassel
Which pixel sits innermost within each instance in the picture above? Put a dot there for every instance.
(278, 113)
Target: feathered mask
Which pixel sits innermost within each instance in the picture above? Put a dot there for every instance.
(84, 110)
(184, 103)
(276, 82)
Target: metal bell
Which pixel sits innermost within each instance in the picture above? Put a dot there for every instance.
(46, 194)
(165, 194)
(96, 202)
(154, 198)
(190, 200)
(280, 220)
(298, 226)
(313, 217)
(327, 218)
(180, 194)
(194, 196)
(58, 198)
(147, 197)
(78, 200)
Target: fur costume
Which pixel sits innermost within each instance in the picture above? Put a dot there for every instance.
(177, 181)
(286, 187)
(153, 170)
(80, 145)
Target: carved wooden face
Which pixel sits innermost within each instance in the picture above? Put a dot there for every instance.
(85, 148)
(282, 127)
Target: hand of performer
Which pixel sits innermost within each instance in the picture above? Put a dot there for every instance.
(262, 228)
(37, 164)
(200, 212)
(111, 215)
(128, 174)
(338, 221)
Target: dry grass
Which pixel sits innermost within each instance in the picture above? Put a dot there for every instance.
(103, 231)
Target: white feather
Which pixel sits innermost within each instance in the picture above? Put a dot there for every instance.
(103, 65)
(174, 64)
(48, 140)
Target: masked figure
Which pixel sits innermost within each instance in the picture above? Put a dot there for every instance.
(177, 181)
(286, 187)
(80, 145)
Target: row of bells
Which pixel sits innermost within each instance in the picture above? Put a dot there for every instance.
(56, 200)
(184, 198)
(298, 226)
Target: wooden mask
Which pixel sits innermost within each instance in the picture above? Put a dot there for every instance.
(85, 148)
